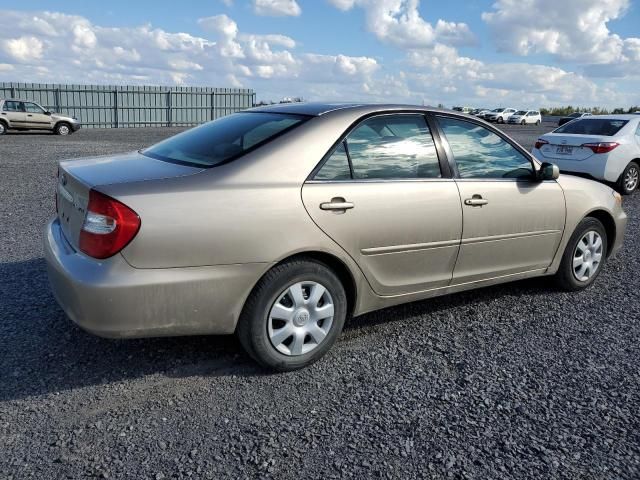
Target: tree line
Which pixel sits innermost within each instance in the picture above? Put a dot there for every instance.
(562, 111)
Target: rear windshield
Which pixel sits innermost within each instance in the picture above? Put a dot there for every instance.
(592, 126)
(224, 139)
(520, 112)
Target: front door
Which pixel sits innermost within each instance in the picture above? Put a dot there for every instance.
(513, 223)
(36, 117)
(382, 197)
(13, 112)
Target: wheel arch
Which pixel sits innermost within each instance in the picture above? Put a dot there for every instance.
(338, 266)
(60, 122)
(609, 226)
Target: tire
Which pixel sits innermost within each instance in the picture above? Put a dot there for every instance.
(584, 238)
(629, 180)
(537, 123)
(63, 129)
(3, 128)
(500, 120)
(257, 329)
(523, 122)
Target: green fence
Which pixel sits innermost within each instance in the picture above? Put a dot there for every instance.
(106, 106)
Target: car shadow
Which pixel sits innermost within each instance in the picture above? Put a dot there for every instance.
(43, 352)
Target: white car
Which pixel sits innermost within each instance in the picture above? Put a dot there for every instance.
(500, 115)
(482, 112)
(604, 147)
(524, 117)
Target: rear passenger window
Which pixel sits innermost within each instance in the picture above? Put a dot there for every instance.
(336, 167)
(480, 153)
(384, 147)
(13, 107)
(393, 147)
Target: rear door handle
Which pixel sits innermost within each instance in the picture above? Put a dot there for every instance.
(337, 204)
(476, 201)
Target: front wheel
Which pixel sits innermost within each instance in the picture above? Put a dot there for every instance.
(584, 256)
(537, 123)
(62, 129)
(628, 182)
(293, 315)
(500, 120)
(523, 122)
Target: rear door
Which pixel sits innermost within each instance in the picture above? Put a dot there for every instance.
(385, 197)
(35, 116)
(513, 223)
(13, 112)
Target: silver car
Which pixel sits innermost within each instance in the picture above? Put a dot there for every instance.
(28, 115)
(281, 222)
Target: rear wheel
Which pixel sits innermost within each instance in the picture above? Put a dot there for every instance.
(584, 256)
(3, 128)
(293, 315)
(500, 120)
(62, 129)
(628, 182)
(537, 122)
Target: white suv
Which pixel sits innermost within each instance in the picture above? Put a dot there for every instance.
(500, 115)
(524, 117)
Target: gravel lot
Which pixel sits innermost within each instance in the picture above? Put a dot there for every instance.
(515, 381)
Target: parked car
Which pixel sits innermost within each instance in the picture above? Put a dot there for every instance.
(27, 115)
(480, 112)
(280, 222)
(604, 147)
(462, 109)
(524, 117)
(500, 115)
(573, 116)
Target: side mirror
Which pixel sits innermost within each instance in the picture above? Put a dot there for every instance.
(47, 113)
(548, 171)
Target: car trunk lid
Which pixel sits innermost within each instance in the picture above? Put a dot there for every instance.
(76, 178)
(569, 147)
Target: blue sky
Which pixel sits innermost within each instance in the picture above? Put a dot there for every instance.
(541, 52)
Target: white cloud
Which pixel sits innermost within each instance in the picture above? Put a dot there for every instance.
(277, 8)
(572, 31)
(399, 23)
(24, 48)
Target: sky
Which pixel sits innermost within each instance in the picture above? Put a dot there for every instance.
(479, 53)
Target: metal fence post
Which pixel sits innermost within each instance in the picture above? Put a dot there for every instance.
(115, 108)
(13, 92)
(56, 100)
(213, 105)
(169, 110)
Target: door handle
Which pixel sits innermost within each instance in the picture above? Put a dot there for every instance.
(476, 201)
(29, 115)
(337, 204)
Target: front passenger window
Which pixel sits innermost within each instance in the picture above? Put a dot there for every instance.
(480, 153)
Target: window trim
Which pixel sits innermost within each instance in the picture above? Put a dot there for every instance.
(19, 102)
(535, 164)
(445, 169)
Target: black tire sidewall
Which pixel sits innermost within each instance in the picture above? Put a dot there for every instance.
(253, 326)
(56, 129)
(621, 187)
(565, 276)
(4, 130)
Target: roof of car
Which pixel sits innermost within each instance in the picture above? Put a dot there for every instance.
(318, 108)
(619, 116)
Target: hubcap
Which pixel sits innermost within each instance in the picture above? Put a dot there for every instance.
(1, 128)
(587, 256)
(301, 318)
(631, 179)
(63, 130)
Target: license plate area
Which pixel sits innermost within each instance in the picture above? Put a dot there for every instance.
(564, 150)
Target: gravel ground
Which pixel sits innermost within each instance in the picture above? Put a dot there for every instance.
(515, 381)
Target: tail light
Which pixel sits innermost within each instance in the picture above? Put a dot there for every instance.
(109, 226)
(602, 147)
(540, 142)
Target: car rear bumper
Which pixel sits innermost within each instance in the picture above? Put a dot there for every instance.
(621, 227)
(110, 298)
